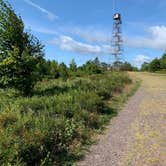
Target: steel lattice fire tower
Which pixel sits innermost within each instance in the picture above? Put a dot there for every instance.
(117, 37)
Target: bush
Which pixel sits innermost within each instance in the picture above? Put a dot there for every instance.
(90, 101)
(51, 127)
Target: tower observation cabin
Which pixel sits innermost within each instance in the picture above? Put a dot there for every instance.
(117, 17)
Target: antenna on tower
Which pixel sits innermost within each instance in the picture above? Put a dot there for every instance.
(117, 37)
(113, 6)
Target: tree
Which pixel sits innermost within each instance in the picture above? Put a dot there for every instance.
(63, 71)
(54, 69)
(11, 30)
(20, 52)
(163, 62)
(145, 66)
(154, 65)
(126, 67)
(43, 68)
(104, 66)
(73, 66)
(96, 61)
(117, 65)
(91, 68)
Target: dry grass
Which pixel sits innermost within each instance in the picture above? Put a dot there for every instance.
(149, 133)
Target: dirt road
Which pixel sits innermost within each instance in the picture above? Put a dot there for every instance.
(137, 136)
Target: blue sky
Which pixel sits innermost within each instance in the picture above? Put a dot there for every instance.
(81, 29)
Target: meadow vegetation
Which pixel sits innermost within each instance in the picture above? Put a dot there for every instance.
(49, 111)
(52, 126)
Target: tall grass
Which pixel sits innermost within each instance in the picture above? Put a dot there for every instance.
(53, 126)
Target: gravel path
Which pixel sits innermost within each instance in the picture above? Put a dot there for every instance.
(136, 137)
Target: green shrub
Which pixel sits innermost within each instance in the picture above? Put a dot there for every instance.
(51, 127)
(90, 101)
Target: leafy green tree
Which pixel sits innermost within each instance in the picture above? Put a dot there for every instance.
(43, 68)
(154, 65)
(135, 68)
(126, 67)
(73, 66)
(91, 68)
(63, 71)
(20, 52)
(104, 66)
(163, 62)
(11, 30)
(54, 69)
(96, 61)
(145, 66)
(117, 65)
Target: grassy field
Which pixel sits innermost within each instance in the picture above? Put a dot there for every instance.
(55, 125)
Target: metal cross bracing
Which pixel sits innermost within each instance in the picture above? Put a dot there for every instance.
(117, 41)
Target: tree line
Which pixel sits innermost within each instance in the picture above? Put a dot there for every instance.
(22, 61)
(158, 64)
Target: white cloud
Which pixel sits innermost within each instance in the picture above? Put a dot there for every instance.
(69, 44)
(50, 15)
(93, 35)
(99, 40)
(156, 39)
(140, 59)
(45, 31)
(90, 34)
